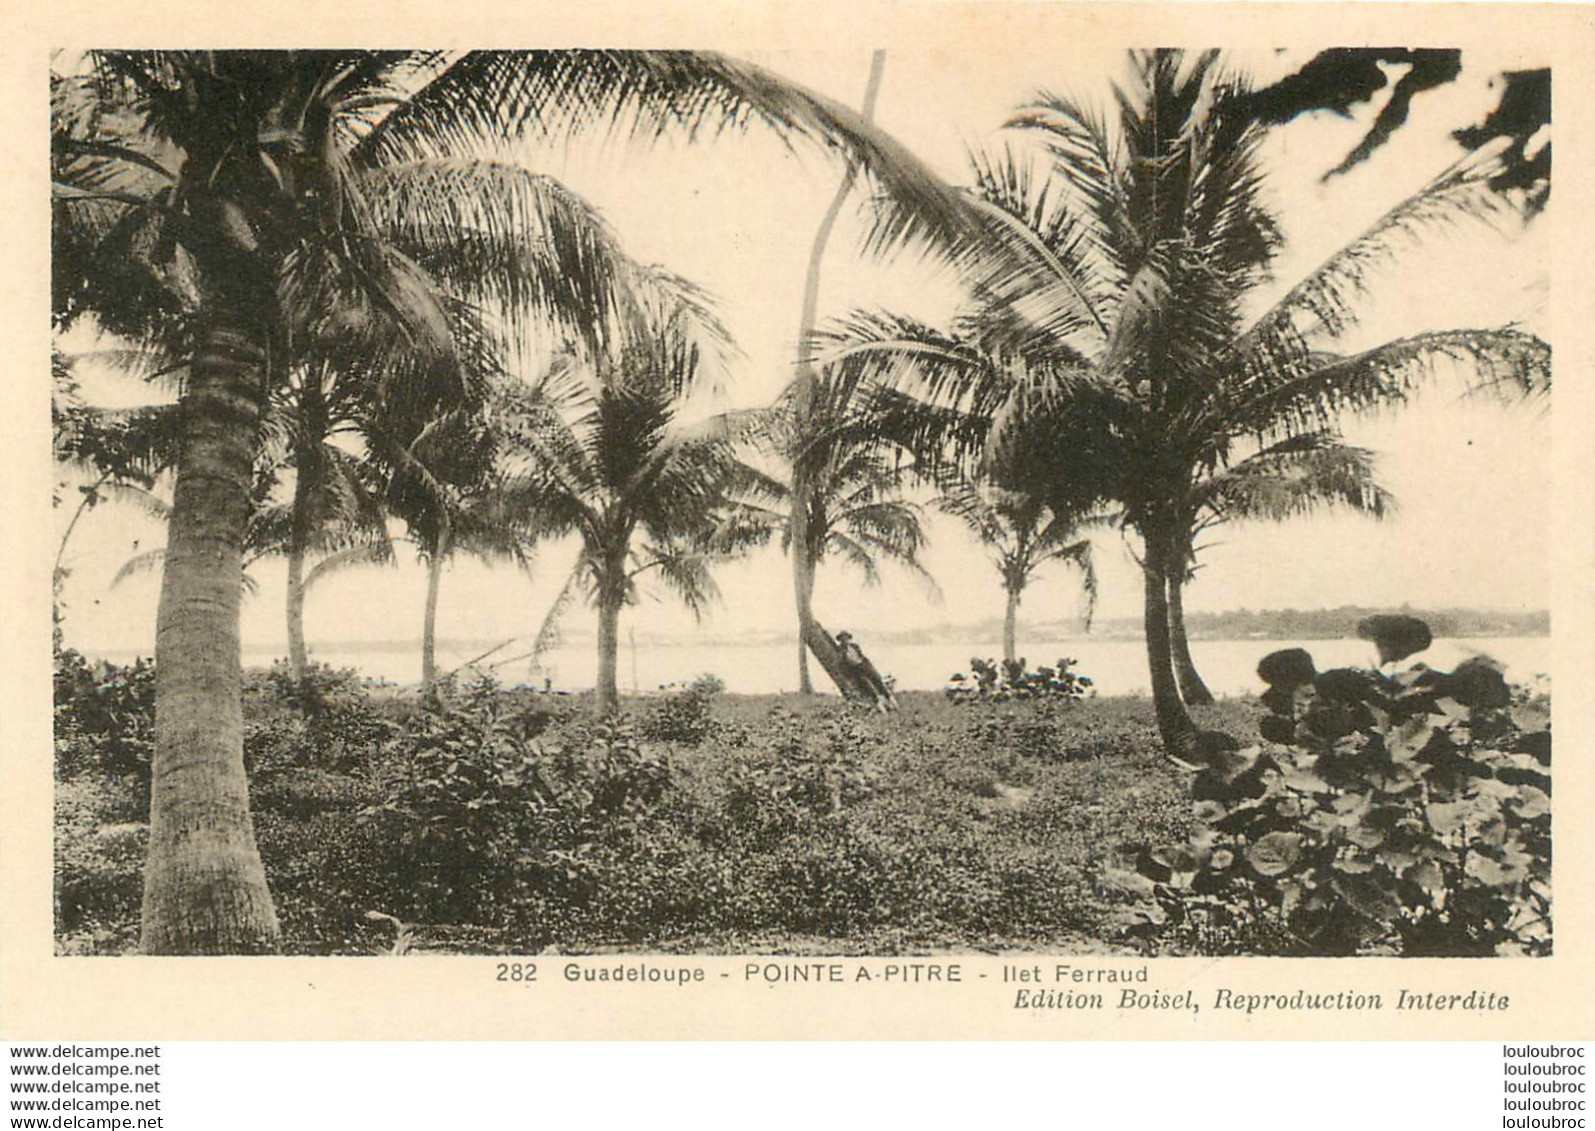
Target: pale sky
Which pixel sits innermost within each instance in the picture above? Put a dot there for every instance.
(738, 216)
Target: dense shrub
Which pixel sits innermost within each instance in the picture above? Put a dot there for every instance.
(325, 719)
(802, 773)
(511, 820)
(491, 824)
(684, 716)
(104, 717)
(104, 740)
(1406, 813)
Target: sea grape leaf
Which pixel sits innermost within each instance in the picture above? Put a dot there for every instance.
(1208, 811)
(1275, 853)
(1429, 876)
(1530, 803)
(1367, 896)
(1498, 873)
(1305, 781)
(1364, 835)
(1448, 817)
(1408, 740)
(1535, 715)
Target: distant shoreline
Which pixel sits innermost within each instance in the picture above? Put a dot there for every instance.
(970, 638)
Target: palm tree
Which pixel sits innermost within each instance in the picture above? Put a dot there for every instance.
(604, 454)
(231, 201)
(847, 477)
(1113, 274)
(334, 510)
(805, 390)
(448, 485)
(1021, 533)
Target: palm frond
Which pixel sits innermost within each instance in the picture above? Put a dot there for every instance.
(684, 569)
(141, 498)
(1079, 554)
(550, 629)
(1293, 477)
(377, 553)
(150, 561)
(1499, 361)
(646, 94)
(1323, 302)
(492, 232)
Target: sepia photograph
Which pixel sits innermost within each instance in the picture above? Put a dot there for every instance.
(886, 502)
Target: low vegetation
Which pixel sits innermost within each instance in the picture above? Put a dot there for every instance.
(508, 820)
(1403, 814)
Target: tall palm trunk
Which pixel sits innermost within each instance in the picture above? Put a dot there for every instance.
(298, 654)
(803, 583)
(798, 523)
(1192, 688)
(204, 886)
(610, 600)
(1173, 720)
(298, 550)
(429, 623)
(1010, 627)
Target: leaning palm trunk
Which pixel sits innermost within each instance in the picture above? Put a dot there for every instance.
(1192, 688)
(802, 566)
(852, 684)
(204, 886)
(1173, 721)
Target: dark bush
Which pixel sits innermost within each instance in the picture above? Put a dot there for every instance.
(492, 825)
(684, 716)
(1396, 635)
(104, 717)
(1286, 669)
(1383, 813)
(324, 720)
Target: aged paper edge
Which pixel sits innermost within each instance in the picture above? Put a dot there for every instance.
(47, 998)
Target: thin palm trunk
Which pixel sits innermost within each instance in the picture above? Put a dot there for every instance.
(204, 886)
(298, 654)
(1192, 688)
(434, 582)
(609, 603)
(1010, 627)
(1173, 720)
(802, 567)
(803, 582)
(298, 548)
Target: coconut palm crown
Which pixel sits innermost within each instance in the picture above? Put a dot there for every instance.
(827, 437)
(605, 449)
(1113, 281)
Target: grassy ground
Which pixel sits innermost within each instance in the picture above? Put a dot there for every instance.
(728, 824)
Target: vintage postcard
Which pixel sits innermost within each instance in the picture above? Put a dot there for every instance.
(998, 520)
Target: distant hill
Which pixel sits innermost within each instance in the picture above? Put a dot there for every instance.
(1235, 624)
(1248, 624)
(1327, 624)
